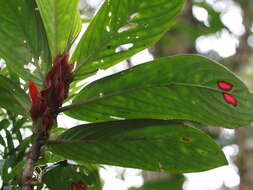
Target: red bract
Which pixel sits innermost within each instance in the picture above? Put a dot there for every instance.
(57, 81)
(34, 92)
(48, 119)
(46, 103)
(37, 106)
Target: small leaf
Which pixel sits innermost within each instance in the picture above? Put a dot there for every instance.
(65, 177)
(9, 141)
(146, 144)
(4, 123)
(120, 29)
(178, 87)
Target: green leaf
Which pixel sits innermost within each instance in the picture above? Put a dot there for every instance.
(9, 141)
(214, 19)
(146, 144)
(2, 142)
(4, 123)
(22, 35)
(13, 98)
(119, 22)
(178, 87)
(62, 23)
(62, 177)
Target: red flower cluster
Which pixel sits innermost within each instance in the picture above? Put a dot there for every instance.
(82, 185)
(45, 103)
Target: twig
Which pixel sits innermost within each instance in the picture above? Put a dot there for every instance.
(32, 157)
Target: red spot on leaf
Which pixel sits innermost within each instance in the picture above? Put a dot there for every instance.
(74, 186)
(224, 85)
(230, 99)
(82, 185)
(186, 139)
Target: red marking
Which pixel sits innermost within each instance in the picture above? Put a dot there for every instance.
(74, 186)
(82, 185)
(230, 99)
(34, 92)
(224, 85)
(186, 139)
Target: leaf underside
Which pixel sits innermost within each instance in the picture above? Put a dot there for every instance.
(146, 144)
(167, 88)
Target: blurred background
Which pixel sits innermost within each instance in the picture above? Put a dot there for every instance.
(221, 30)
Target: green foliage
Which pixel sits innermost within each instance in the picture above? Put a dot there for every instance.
(22, 36)
(146, 98)
(120, 22)
(166, 89)
(62, 23)
(13, 98)
(12, 158)
(63, 175)
(147, 144)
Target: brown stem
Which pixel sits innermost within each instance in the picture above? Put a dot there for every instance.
(32, 158)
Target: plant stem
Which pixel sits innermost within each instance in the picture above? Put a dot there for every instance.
(32, 157)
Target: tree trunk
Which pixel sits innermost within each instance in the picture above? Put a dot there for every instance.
(244, 136)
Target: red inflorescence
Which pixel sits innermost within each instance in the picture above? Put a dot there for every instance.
(34, 92)
(82, 185)
(37, 106)
(57, 81)
(230, 99)
(224, 85)
(186, 139)
(46, 103)
(74, 186)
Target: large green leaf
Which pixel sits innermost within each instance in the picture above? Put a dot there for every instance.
(13, 98)
(146, 144)
(22, 35)
(178, 87)
(121, 23)
(62, 23)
